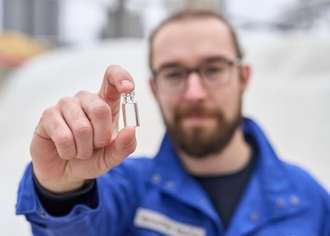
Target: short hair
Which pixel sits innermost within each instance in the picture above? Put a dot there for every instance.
(189, 14)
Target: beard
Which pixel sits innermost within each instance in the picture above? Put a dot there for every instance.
(200, 142)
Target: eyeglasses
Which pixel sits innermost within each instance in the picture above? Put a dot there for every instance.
(214, 74)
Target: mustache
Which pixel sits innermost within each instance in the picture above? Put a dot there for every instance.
(195, 110)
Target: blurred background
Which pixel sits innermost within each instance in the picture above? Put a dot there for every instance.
(54, 48)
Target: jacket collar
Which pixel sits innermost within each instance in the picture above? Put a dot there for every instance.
(170, 176)
(270, 193)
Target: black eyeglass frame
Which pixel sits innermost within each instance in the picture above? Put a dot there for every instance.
(199, 68)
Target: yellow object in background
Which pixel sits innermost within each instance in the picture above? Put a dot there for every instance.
(15, 49)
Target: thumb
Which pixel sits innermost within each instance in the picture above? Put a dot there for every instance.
(122, 146)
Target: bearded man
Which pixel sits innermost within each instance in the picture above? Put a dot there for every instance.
(215, 173)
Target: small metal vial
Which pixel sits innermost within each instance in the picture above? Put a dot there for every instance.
(130, 110)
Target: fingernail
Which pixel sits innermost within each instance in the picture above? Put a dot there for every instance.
(125, 83)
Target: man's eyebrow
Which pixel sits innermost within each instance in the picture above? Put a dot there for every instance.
(167, 65)
(214, 58)
(174, 64)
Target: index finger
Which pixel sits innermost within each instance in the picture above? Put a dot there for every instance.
(116, 81)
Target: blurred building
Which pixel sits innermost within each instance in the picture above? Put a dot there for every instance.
(85, 22)
(122, 22)
(36, 18)
(217, 5)
(281, 16)
(306, 15)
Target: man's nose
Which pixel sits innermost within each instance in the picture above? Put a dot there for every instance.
(195, 89)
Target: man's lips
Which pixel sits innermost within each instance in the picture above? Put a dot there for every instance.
(196, 119)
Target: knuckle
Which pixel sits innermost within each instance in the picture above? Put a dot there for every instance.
(65, 101)
(101, 111)
(64, 140)
(83, 130)
(82, 93)
(49, 112)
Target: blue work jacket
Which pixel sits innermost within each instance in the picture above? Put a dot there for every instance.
(157, 196)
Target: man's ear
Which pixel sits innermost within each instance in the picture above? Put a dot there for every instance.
(245, 76)
(153, 87)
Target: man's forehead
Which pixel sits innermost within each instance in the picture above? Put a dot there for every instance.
(189, 36)
(179, 27)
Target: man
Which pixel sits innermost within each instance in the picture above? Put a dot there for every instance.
(215, 172)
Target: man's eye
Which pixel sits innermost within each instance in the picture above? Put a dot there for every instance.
(214, 69)
(174, 75)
